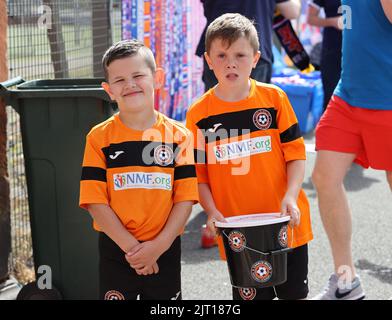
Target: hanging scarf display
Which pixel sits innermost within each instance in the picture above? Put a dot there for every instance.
(168, 28)
(291, 43)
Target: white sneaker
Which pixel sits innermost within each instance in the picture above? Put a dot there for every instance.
(333, 292)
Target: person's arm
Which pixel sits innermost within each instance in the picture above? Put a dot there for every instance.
(295, 177)
(174, 225)
(109, 223)
(94, 197)
(314, 19)
(290, 9)
(387, 7)
(208, 204)
(147, 253)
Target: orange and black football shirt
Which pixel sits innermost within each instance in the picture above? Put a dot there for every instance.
(241, 151)
(139, 174)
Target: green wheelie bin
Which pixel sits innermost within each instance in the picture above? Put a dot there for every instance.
(55, 116)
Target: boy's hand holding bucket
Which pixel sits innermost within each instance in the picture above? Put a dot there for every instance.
(212, 218)
(209, 231)
(290, 208)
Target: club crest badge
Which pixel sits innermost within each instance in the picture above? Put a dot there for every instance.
(163, 155)
(114, 295)
(261, 271)
(282, 237)
(237, 241)
(262, 119)
(247, 293)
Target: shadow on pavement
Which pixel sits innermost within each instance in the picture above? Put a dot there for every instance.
(384, 274)
(192, 252)
(354, 181)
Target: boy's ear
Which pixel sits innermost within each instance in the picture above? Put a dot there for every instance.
(206, 56)
(106, 87)
(256, 58)
(159, 78)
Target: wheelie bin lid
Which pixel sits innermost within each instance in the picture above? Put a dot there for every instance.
(54, 88)
(48, 84)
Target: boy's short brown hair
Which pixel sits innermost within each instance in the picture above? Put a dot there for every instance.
(127, 48)
(229, 27)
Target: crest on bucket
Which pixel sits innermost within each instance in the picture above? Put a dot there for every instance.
(247, 293)
(237, 241)
(256, 250)
(261, 271)
(282, 237)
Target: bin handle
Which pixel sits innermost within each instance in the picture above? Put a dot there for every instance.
(11, 82)
(6, 94)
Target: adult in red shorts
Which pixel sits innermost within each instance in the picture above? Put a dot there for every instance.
(356, 127)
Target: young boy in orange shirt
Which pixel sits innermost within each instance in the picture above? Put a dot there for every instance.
(250, 156)
(138, 182)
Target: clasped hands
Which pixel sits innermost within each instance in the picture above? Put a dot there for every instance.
(143, 257)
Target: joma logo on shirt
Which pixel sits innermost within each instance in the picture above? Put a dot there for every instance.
(142, 180)
(244, 148)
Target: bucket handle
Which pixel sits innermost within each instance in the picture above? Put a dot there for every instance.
(284, 250)
(272, 252)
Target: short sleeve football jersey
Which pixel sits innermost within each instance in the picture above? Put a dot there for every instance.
(139, 174)
(241, 151)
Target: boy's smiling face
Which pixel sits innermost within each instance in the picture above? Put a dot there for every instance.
(131, 83)
(232, 65)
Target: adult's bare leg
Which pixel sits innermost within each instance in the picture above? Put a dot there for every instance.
(328, 176)
(389, 178)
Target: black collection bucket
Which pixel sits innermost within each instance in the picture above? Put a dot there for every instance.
(256, 249)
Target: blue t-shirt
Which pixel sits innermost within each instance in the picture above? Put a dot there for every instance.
(366, 79)
(261, 11)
